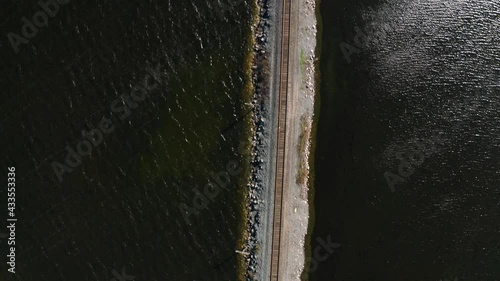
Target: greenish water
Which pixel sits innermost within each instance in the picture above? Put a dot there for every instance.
(121, 206)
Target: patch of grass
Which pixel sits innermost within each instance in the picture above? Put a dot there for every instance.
(302, 59)
(305, 131)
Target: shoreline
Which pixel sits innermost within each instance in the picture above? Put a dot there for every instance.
(246, 146)
(260, 197)
(314, 129)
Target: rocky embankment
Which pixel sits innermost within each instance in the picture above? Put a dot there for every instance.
(259, 202)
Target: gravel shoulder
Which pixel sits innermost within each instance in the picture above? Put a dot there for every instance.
(261, 189)
(299, 122)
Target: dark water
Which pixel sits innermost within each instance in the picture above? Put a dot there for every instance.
(120, 207)
(418, 103)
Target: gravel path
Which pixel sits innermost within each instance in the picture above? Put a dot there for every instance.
(300, 114)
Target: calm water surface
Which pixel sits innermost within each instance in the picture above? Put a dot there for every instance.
(418, 103)
(120, 207)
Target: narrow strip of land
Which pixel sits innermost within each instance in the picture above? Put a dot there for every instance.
(280, 153)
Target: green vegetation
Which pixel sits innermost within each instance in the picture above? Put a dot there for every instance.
(305, 131)
(302, 59)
